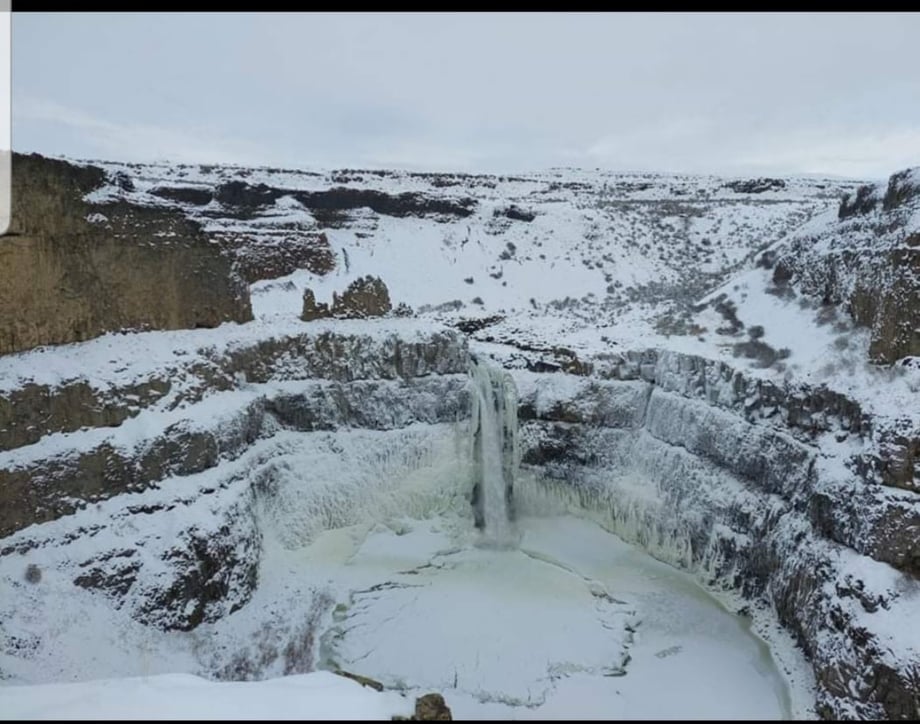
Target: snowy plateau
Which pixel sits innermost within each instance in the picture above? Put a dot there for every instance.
(570, 444)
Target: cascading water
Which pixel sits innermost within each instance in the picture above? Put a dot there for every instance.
(496, 451)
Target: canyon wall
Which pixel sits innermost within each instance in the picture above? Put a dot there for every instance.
(782, 494)
(868, 259)
(98, 469)
(71, 270)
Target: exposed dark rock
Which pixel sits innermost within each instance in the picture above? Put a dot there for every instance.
(49, 488)
(313, 310)
(757, 349)
(31, 411)
(899, 460)
(862, 203)
(113, 573)
(185, 194)
(364, 297)
(792, 520)
(474, 324)
(896, 324)
(729, 311)
(867, 264)
(339, 356)
(240, 193)
(515, 213)
(363, 680)
(756, 186)
(782, 273)
(211, 575)
(556, 444)
(767, 259)
(406, 204)
(278, 257)
(371, 404)
(902, 187)
(123, 181)
(432, 707)
(33, 573)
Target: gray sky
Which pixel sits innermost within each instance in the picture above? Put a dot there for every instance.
(707, 92)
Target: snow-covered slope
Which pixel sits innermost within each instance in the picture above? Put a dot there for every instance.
(580, 247)
(589, 261)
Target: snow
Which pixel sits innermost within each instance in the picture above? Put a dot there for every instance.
(574, 598)
(319, 695)
(364, 542)
(600, 243)
(377, 522)
(214, 411)
(605, 259)
(116, 359)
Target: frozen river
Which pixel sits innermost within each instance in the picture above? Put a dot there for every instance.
(571, 623)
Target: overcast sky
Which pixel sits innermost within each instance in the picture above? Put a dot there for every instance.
(719, 93)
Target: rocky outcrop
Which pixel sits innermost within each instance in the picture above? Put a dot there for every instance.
(515, 213)
(902, 191)
(756, 185)
(203, 574)
(789, 494)
(313, 309)
(781, 493)
(212, 574)
(39, 489)
(341, 198)
(867, 260)
(31, 411)
(399, 205)
(371, 405)
(431, 707)
(71, 270)
(277, 257)
(365, 297)
(860, 203)
(184, 195)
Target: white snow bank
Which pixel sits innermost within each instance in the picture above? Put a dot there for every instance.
(318, 695)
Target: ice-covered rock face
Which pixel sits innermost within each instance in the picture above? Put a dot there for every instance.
(764, 490)
(164, 512)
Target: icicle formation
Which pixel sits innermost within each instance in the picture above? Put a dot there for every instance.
(496, 453)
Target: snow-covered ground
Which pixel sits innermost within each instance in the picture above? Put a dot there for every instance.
(320, 695)
(608, 262)
(557, 252)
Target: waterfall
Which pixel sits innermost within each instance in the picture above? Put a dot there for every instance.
(496, 451)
